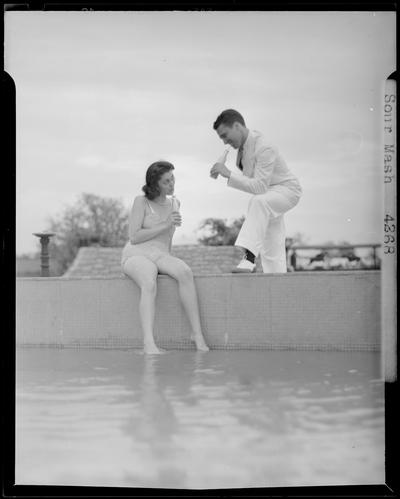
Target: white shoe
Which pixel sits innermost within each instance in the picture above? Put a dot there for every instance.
(245, 266)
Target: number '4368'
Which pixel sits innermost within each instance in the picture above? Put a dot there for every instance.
(389, 239)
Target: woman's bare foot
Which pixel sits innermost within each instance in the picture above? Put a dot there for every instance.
(152, 349)
(200, 343)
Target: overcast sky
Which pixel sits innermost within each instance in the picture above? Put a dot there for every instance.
(101, 95)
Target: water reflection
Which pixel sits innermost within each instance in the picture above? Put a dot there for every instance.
(151, 429)
(194, 420)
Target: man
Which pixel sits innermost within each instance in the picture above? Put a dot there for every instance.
(275, 190)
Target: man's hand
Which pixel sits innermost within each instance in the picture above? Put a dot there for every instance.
(220, 169)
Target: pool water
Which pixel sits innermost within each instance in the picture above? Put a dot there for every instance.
(223, 419)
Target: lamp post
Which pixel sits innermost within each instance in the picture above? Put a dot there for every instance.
(44, 253)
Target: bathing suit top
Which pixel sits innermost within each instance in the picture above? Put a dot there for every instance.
(152, 218)
(161, 242)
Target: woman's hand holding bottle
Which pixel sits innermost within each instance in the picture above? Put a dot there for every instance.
(176, 204)
(174, 219)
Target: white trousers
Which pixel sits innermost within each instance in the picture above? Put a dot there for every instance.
(263, 231)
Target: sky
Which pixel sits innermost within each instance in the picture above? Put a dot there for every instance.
(101, 95)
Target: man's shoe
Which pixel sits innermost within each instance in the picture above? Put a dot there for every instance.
(245, 266)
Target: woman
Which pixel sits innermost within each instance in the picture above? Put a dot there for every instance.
(152, 224)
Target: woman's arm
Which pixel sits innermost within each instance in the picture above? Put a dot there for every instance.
(136, 233)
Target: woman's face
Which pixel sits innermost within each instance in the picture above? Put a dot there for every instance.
(166, 183)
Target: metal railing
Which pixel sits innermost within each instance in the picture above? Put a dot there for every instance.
(292, 256)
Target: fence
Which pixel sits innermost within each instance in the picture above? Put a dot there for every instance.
(323, 257)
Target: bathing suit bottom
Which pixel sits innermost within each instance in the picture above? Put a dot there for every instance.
(153, 253)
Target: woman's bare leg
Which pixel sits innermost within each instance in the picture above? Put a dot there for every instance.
(144, 273)
(178, 269)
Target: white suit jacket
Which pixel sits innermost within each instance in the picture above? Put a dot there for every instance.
(263, 167)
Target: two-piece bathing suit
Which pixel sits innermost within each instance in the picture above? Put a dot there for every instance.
(159, 245)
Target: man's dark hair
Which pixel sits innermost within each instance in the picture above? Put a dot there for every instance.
(229, 117)
(154, 172)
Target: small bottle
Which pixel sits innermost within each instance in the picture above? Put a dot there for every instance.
(221, 159)
(176, 204)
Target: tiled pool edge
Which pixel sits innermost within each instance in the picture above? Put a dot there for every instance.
(296, 311)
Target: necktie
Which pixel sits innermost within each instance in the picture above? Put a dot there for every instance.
(239, 159)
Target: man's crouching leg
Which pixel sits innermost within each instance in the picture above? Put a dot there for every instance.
(253, 232)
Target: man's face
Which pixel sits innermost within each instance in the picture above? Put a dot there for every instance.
(231, 135)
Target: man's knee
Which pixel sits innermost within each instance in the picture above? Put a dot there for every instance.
(259, 202)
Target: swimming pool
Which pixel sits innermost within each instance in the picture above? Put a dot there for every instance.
(192, 420)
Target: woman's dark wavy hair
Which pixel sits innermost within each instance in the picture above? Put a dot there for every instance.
(154, 172)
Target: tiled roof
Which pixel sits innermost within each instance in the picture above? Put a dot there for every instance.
(95, 261)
